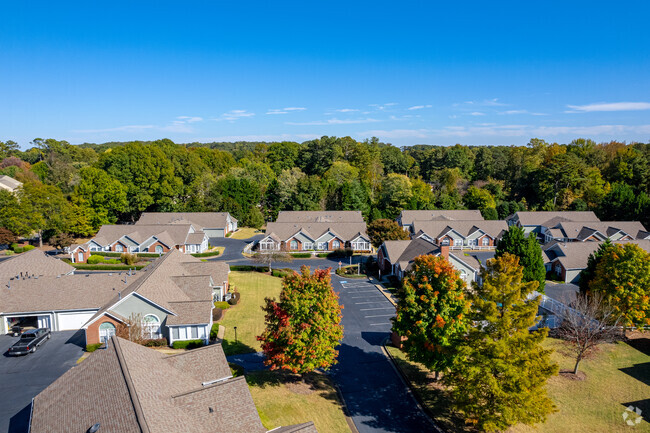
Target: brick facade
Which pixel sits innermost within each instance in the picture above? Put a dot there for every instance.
(152, 247)
(92, 333)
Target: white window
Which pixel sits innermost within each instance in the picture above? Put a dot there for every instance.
(119, 248)
(471, 242)
(150, 326)
(463, 275)
(445, 241)
(80, 256)
(93, 249)
(322, 245)
(293, 245)
(307, 246)
(558, 269)
(485, 241)
(159, 249)
(106, 330)
(336, 244)
(195, 332)
(360, 246)
(458, 242)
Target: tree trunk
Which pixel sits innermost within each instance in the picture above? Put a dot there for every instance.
(437, 375)
(40, 238)
(575, 369)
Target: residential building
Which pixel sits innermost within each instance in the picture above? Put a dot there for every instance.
(32, 264)
(396, 258)
(129, 388)
(567, 260)
(595, 231)
(213, 224)
(459, 235)
(9, 183)
(540, 221)
(407, 217)
(316, 232)
(173, 297)
(141, 238)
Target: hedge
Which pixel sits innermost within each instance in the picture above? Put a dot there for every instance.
(93, 347)
(95, 259)
(155, 342)
(234, 299)
(18, 249)
(281, 273)
(222, 304)
(214, 331)
(188, 344)
(209, 254)
(119, 255)
(249, 268)
(100, 267)
(301, 255)
(217, 314)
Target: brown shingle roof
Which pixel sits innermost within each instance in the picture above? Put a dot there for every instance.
(550, 219)
(347, 231)
(174, 234)
(583, 230)
(34, 262)
(190, 313)
(394, 249)
(436, 229)
(576, 254)
(200, 220)
(328, 216)
(407, 217)
(217, 270)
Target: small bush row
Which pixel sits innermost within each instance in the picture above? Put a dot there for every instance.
(222, 304)
(114, 254)
(100, 267)
(208, 254)
(282, 272)
(249, 268)
(235, 298)
(217, 314)
(93, 347)
(155, 342)
(18, 249)
(214, 331)
(188, 344)
(301, 255)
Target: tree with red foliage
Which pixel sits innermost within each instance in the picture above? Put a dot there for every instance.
(6, 236)
(304, 327)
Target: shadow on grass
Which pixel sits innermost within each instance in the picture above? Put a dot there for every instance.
(644, 405)
(231, 348)
(299, 384)
(642, 344)
(640, 372)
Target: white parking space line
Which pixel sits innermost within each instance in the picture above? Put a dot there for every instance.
(379, 315)
(380, 308)
(369, 302)
(362, 291)
(380, 324)
(367, 297)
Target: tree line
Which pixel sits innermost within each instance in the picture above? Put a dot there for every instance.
(77, 188)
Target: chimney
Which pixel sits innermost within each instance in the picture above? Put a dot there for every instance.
(444, 251)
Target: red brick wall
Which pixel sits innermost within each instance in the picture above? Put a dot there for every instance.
(76, 256)
(440, 240)
(124, 247)
(480, 241)
(92, 333)
(287, 245)
(331, 242)
(152, 247)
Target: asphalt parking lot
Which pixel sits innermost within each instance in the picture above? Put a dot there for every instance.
(23, 377)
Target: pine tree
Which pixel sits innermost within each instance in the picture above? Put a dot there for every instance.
(304, 327)
(529, 252)
(588, 273)
(498, 378)
(431, 312)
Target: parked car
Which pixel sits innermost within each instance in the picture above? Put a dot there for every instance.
(29, 341)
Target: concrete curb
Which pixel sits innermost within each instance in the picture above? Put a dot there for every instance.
(346, 412)
(409, 387)
(384, 291)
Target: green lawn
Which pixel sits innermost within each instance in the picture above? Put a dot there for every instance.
(248, 316)
(283, 399)
(617, 375)
(245, 233)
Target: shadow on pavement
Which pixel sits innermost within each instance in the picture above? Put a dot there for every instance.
(78, 339)
(19, 423)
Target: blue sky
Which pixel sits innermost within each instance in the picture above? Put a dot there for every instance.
(407, 72)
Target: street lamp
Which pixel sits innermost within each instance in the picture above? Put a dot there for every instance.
(235, 335)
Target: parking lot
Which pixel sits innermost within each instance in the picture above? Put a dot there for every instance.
(23, 377)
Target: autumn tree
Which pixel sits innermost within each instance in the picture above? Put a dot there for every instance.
(61, 240)
(431, 312)
(623, 278)
(385, 230)
(6, 236)
(499, 376)
(529, 252)
(304, 327)
(588, 273)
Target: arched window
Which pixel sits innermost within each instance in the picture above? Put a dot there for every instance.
(151, 326)
(119, 248)
(485, 241)
(80, 257)
(159, 249)
(463, 274)
(445, 241)
(336, 244)
(106, 330)
(293, 245)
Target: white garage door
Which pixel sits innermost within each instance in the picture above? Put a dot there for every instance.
(214, 233)
(71, 321)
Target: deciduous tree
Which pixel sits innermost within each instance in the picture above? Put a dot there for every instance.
(304, 327)
(529, 252)
(385, 230)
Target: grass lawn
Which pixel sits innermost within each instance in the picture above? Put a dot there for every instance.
(245, 233)
(616, 376)
(248, 316)
(283, 399)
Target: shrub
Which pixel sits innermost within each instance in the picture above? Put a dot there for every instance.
(214, 331)
(282, 272)
(128, 259)
(208, 254)
(324, 255)
(118, 255)
(301, 255)
(228, 234)
(93, 347)
(93, 260)
(113, 261)
(217, 314)
(249, 268)
(236, 370)
(234, 300)
(155, 342)
(222, 305)
(188, 344)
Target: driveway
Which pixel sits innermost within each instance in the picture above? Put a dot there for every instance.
(377, 399)
(23, 377)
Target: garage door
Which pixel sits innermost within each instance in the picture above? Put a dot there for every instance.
(214, 233)
(72, 321)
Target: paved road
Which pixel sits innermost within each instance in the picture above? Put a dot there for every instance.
(23, 377)
(377, 399)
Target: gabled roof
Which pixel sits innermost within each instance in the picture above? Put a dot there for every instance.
(394, 249)
(328, 216)
(407, 217)
(34, 262)
(9, 183)
(576, 254)
(174, 234)
(583, 230)
(200, 220)
(345, 230)
(128, 388)
(435, 229)
(550, 219)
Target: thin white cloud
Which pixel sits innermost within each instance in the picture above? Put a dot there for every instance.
(383, 106)
(609, 106)
(284, 110)
(190, 119)
(260, 137)
(277, 112)
(126, 128)
(509, 112)
(234, 115)
(477, 113)
(294, 109)
(334, 122)
(494, 102)
(346, 110)
(419, 107)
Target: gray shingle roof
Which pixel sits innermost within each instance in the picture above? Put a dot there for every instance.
(436, 229)
(328, 216)
(34, 262)
(583, 230)
(550, 219)
(346, 230)
(200, 220)
(174, 234)
(394, 249)
(407, 217)
(576, 254)
(9, 183)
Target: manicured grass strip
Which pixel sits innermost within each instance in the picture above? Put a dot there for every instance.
(248, 316)
(218, 251)
(86, 267)
(245, 233)
(284, 399)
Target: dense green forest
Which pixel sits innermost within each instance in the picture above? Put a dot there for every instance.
(77, 188)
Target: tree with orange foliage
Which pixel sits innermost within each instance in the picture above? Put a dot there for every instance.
(304, 328)
(431, 312)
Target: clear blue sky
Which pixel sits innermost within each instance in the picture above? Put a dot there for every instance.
(407, 72)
